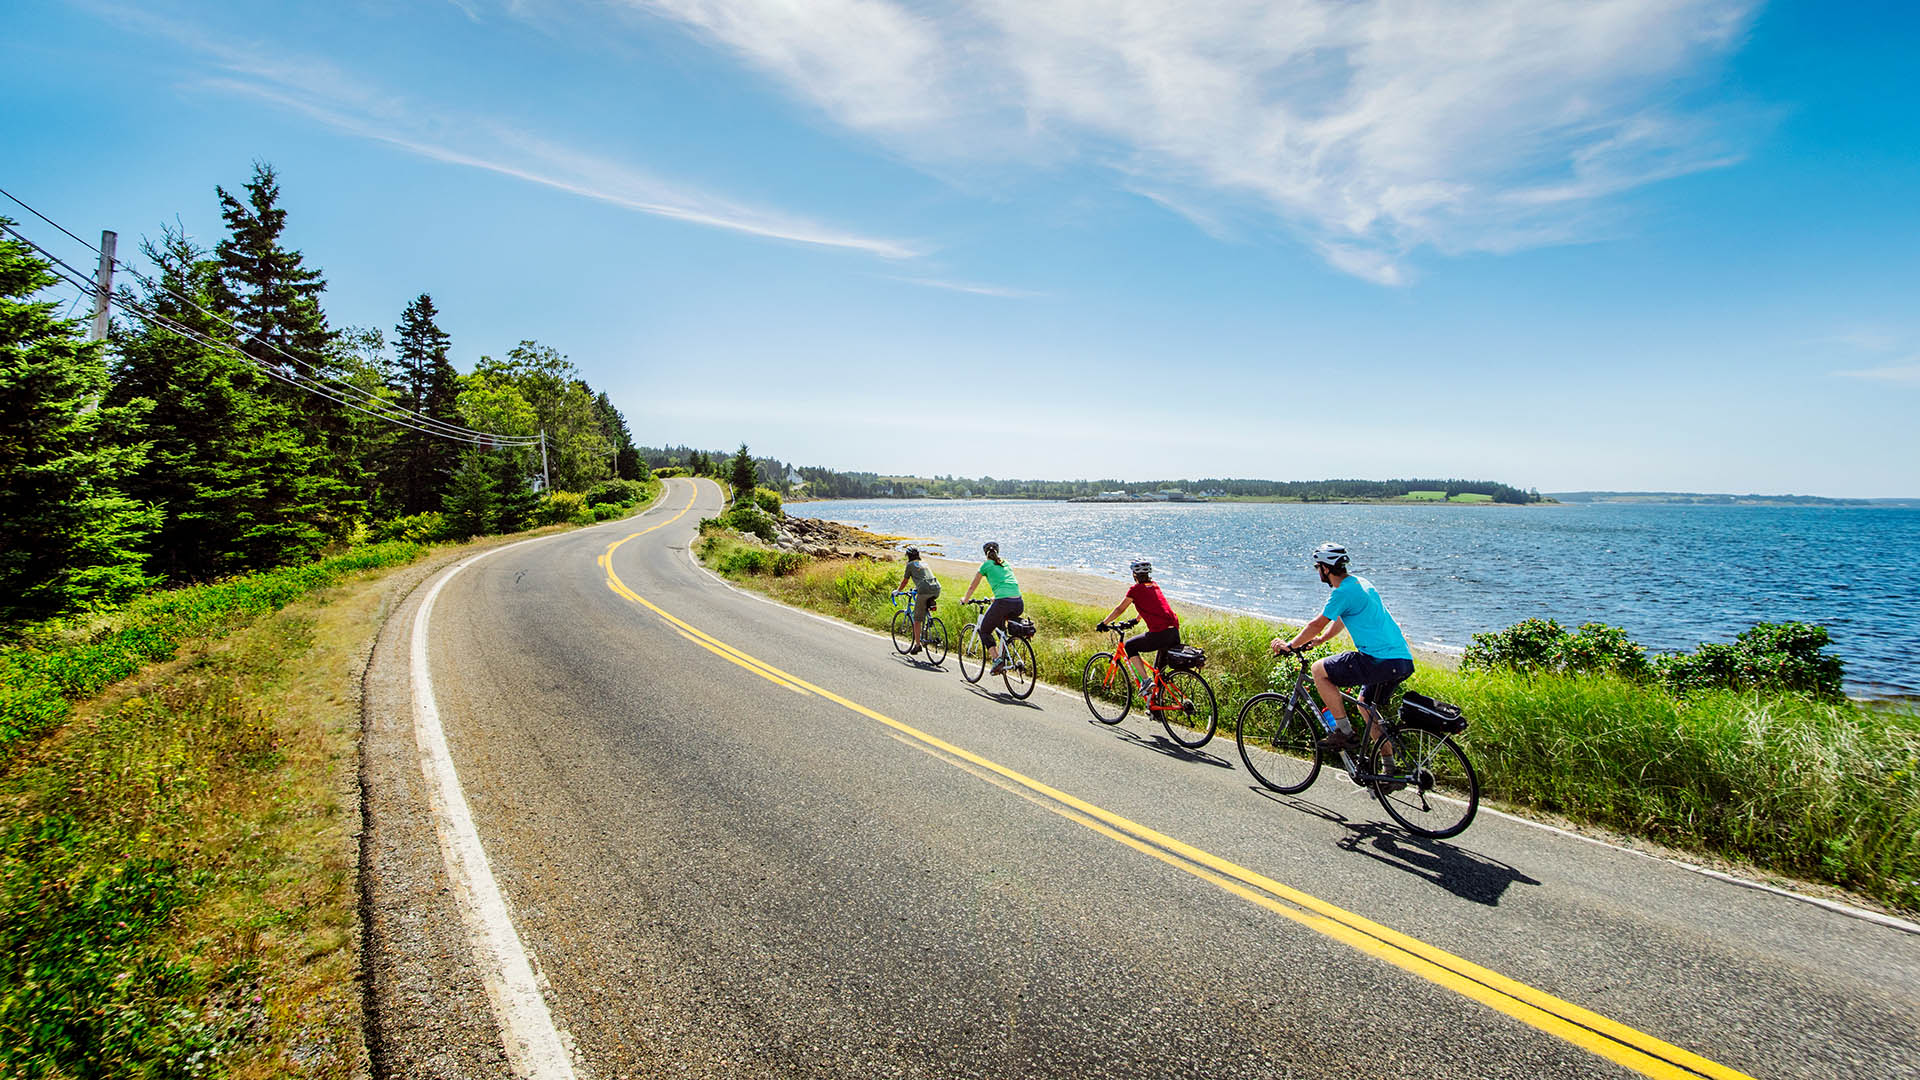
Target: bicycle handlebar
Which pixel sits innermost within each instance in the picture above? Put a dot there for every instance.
(1119, 627)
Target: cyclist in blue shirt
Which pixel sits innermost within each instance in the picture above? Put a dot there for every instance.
(1381, 661)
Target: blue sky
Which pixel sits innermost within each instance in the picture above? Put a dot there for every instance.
(1637, 244)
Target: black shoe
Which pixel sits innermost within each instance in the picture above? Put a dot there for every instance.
(1337, 740)
(913, 650)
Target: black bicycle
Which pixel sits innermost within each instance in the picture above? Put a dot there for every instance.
(1413, 765)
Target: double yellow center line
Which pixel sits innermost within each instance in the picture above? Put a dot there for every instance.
(1584, 1028)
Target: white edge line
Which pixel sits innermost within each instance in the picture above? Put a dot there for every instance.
(535, 1047)
(1863, 914)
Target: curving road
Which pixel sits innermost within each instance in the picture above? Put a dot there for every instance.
(740, 840)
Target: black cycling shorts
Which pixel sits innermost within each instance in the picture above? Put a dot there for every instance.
(998, 612)
(1377, 677)
(1161, 640)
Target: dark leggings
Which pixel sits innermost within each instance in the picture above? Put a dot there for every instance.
(998, 612)
(1160, 640)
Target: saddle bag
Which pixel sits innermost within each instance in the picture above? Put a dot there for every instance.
(1187, 658)
(1417, 710)
(1021, 628)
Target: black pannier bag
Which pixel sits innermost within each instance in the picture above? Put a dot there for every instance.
(1021, 628)
(1186, 658)
(1417, 710)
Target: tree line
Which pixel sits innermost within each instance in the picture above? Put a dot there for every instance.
(227, 426)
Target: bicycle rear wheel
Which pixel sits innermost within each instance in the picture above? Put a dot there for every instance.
(934, 636)
(973, 655)
(1107, 689)
(1278, 744)
(1022, 670)
(1187, 709)
(902, 632)
(1426, 784)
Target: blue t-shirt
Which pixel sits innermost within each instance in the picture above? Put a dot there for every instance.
(1356, 604)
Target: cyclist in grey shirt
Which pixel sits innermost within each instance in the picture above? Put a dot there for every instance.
(926, 591)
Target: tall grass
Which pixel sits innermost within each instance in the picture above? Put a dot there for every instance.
(1828, 790)
(56, 664)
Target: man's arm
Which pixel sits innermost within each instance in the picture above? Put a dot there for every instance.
(1301, 639)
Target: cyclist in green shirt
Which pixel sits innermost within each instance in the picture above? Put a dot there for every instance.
(1006, 600)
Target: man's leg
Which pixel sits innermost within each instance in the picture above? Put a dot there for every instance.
(1329, 693)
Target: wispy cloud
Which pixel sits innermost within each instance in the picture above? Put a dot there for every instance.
(354, 105)
(1371, 127)
(976, 289)
(1901, 374)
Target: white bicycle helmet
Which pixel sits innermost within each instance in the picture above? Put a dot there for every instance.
(1331, 555)
(1141, 566)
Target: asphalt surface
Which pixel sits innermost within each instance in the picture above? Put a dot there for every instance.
(719, 875)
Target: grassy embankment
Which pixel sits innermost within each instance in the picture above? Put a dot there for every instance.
(1819, 790)
(177, 792)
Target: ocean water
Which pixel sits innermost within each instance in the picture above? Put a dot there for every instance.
(1671, 576)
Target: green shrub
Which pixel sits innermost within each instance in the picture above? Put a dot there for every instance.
(669, 472)
(1542, 645)
(607, 511)
(1777, 657)
(623, 492)
(748, 518)
(427, 528)
(734, 557)
(583, 516)
(560, 507)
(768, 500)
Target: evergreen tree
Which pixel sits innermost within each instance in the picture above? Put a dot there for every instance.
(269, 293)
(425, 382)
(71, 534)
(613, 425)
(514, 496)
(741, 474)
(371, 441)
(471, 503)
(233, 476)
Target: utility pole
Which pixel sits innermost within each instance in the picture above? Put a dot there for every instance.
(103, 286)
(546, 477)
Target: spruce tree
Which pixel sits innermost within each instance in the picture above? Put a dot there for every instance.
(238, 484)
(424, 382)
(71, 533)
(269, 293)
(472, 500)
(741, 474)
(511, 470)
(613, 426)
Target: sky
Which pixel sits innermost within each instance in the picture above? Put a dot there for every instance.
(1564, 244)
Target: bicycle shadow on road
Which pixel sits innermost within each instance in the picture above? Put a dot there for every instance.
(1001, 698)
(919, 663)
(1466, 874)
(1164, 746)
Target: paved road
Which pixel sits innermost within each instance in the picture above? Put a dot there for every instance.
(885, 871)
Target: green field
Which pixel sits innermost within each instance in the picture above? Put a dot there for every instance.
(1426, 496)
(1469, 497)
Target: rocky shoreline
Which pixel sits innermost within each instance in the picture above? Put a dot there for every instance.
(831, 540)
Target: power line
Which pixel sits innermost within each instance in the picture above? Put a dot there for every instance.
(313, 382)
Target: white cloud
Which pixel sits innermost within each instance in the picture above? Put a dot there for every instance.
(976, 289)
(350, 103)
(1901, 374)
(1372, 127)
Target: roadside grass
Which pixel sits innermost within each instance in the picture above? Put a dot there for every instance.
(1827, 791)
(176, 863)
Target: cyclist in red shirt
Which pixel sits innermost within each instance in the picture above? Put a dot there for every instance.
(1163, 626)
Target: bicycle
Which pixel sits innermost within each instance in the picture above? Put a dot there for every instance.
(1413, 767)
(933, 634)
(1019, 668)
(1181, 696)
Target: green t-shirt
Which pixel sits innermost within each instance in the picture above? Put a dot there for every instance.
(1001, 578)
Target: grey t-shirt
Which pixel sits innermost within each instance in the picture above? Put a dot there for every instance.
(923, 578)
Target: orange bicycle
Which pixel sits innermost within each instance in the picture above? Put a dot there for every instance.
(1180, 695)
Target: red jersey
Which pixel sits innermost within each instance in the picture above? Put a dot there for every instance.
(1153, 606)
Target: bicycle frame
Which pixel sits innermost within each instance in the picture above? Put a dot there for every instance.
(1304, 690)
(1152, 689)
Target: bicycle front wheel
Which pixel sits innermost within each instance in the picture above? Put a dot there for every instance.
(1187, 710)
(973, 655)
(1021, 671)
(1278, 744)
(1425, 782)
(934, 636)
(902, 632)
(1107, 688)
